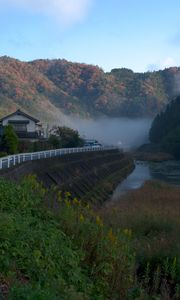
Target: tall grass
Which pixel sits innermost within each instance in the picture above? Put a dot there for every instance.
(152, 214)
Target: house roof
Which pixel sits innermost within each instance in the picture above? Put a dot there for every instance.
(21, 113)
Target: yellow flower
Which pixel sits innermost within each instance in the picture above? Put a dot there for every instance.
(67, 194)
(76, 201)
(67, 202)
(81, 218)
(99, 221)
(127, 232)
(111, 236)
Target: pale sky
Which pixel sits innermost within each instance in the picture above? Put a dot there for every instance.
(137, 34)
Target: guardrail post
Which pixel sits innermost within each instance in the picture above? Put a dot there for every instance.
(8, 162)
(1, 163)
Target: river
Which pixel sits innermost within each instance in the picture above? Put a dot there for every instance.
(168, 171)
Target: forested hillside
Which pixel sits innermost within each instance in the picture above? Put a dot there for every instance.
(48, 87)
(165, 129)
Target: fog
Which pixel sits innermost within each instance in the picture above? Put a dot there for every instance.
(123, 132)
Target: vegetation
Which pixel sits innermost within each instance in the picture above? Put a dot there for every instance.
(66, 254)
(45, 88)
(152, 215)
(152, 152)
(65, 137)
(61, 137)
(55, 247)
(165, 129)
(9, 141)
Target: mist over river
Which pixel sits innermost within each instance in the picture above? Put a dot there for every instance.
(128, 134)
(123, 132)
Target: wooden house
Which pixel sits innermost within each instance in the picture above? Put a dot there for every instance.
(25, 126)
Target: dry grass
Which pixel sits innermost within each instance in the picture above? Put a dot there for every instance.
(154, 202)
(152, 213)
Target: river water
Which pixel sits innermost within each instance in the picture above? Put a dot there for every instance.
(168, 171)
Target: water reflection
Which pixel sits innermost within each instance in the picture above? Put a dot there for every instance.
(166, 171)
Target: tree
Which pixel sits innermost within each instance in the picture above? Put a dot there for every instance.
(165, 129)
(54, 141)
(65, 137)
(10, 140)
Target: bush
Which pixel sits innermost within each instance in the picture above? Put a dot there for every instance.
(28, 146)
(54, 141)
(2, 154)
(10, 140)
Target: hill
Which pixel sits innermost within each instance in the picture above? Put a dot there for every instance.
(50, 88)
(165, 129)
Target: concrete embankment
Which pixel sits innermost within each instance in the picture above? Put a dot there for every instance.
(89, 176)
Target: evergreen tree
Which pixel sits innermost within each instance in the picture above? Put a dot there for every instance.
(165, 129)
(10, 140)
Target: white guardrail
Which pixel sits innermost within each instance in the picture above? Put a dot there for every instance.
(13, 160)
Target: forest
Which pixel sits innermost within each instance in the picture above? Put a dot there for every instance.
(49, 88)
(165, 129)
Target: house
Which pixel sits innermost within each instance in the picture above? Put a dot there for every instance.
(25, 126)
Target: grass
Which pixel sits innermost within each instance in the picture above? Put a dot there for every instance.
(55, 247)
(62, 253)
(151, 156)
(152, 214)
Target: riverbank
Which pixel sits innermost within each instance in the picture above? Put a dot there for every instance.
(90, 176)
(166, 171)
(151, 215)
(152, 152)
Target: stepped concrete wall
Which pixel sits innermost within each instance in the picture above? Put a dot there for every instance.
(89, 176)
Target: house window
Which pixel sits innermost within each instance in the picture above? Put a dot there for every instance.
(19, 127)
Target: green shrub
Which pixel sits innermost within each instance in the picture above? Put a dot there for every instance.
(69, 254)
(54, 141)
(2, 154)
(10, 140)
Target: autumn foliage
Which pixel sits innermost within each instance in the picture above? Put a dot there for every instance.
(48, 87)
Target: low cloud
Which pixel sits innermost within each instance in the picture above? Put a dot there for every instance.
(122, 132)
(168, 62)
(66, 12)
(160, 65)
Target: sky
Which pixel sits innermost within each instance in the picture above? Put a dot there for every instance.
(143, 35)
